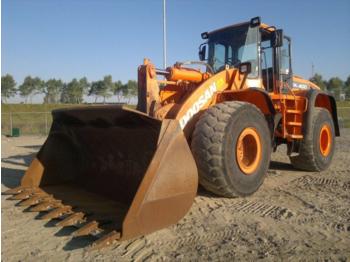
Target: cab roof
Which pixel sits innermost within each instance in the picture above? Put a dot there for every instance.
(262, 26)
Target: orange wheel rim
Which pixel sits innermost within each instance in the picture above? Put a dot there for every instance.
(248, 150)
(325, 140)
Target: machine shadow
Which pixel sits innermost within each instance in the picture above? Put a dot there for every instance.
(79, 242)
(34, 147)
(11, 177)
(274, 165)
(22, 160)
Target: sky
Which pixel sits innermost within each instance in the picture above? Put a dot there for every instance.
(74, 38)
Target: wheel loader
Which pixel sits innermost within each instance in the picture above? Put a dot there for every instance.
(117, 173)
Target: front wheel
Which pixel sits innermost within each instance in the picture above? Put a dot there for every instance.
(232, 146)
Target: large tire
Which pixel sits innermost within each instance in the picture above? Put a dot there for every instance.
(231, 144)
(317, 147)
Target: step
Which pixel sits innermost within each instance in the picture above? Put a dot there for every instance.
(295, 136)
(293, 111)
(294, 124)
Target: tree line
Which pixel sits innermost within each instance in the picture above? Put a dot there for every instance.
(57, 91)
(336, 86)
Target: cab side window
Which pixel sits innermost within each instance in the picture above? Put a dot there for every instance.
(285, 58)
(267, 70)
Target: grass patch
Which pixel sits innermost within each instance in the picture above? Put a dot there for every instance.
(344, 116)
(343, 104)
(31, 119)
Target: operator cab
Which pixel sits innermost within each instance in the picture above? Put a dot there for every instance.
(275, 59)
(264, 47)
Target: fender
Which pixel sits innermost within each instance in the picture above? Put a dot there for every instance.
(318, 98)
(256, 96)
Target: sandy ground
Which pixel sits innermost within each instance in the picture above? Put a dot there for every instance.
(294, 216)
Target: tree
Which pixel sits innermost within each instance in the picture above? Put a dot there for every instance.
(347, 82)
(102, 88)
(8, 87)
(64, 94)
(131, 87)
(84, 85)
(52, 90)
(117, 90)
(335, 85)
(347, 88)
(74, 91)
(124, 91)
(30, 87)
(317, 79)
(95, 89)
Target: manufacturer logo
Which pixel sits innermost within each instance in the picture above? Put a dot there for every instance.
(202, 100)
(300, 85)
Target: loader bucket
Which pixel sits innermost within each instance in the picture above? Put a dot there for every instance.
(111, 171)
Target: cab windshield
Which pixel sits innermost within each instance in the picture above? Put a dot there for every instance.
(233, 46)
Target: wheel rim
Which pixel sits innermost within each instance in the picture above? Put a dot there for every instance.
(325, 140)
(248, 150)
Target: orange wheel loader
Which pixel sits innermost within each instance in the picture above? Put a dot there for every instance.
(118, 173)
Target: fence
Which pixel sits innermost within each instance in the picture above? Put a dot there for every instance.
(344, 116)
(39, 123)
(29, 123)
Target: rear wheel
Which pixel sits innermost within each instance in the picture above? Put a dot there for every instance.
(317, 147)
(232, 146)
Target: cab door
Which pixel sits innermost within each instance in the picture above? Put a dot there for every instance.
(285, 73)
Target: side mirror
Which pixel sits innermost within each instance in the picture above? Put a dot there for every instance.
(204, 35)
(256, 21)
(277, 38)
(245, 68)
(202, 51)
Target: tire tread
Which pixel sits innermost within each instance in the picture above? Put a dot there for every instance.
(207, 147)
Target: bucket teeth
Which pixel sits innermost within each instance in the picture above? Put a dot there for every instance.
(36, 199)
(24, 194)
(44, 206)
(57, 212)
(15, 190)
(71, 220)
(106, 240)
(91, 227)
